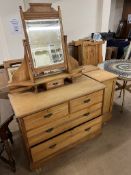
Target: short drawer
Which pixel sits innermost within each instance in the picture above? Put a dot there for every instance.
(50, 147)
(54, 84)
(41, 118)
(88, 112)
(43, 133)
(86, 101)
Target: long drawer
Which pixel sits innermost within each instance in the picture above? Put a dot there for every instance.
(46, 116)
(42, 133)
(45, 149)
(86, 101)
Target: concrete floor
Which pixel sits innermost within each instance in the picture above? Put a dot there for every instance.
(108, 154)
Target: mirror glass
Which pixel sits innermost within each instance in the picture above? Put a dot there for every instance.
(45, 42)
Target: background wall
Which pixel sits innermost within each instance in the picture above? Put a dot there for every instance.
(115, 14)
(80, 19)
(10, 43)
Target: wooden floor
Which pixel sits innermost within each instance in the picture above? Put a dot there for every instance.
(108, 154)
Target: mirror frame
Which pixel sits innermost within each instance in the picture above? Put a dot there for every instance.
(40, 11)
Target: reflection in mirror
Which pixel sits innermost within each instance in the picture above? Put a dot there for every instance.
(45, 42)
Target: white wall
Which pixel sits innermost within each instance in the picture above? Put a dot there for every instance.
(80, 19)
(10, 43)
(115, 14)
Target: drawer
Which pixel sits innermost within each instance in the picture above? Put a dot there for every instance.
(47, 148)
(43, 133)
(87, 111)
(86, 101)
(54, 84)
(87, 126)
(46, 116)
(47, 131)
(50, 147)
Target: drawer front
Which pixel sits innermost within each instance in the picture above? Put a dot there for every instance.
(87, 126)
(86, 101)
(45, 132)
(54, 84)
(52, 146)
(46, 116)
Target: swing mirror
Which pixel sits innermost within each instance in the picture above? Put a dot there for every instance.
(45, 46)
(45, 42)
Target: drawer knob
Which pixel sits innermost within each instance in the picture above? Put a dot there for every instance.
(52, 146)
(86, 114)
(56, 83)
(49, 130)
(87, 101)
(87, 129)
(48, 115)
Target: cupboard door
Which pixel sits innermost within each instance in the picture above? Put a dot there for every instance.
(90, 54)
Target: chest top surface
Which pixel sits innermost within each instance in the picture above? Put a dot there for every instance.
(27, 103)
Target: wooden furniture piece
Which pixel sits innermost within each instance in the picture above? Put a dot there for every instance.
(10, 66)
(122, 68)
(125, 13)
(5, 136)
(3, 78)
(111, 53)
(89, 52)
(109, 80)
(55, 120)
(46, 60)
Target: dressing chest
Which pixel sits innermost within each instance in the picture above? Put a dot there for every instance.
(55, 120)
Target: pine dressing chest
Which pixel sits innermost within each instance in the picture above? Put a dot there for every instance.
(55, 120)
